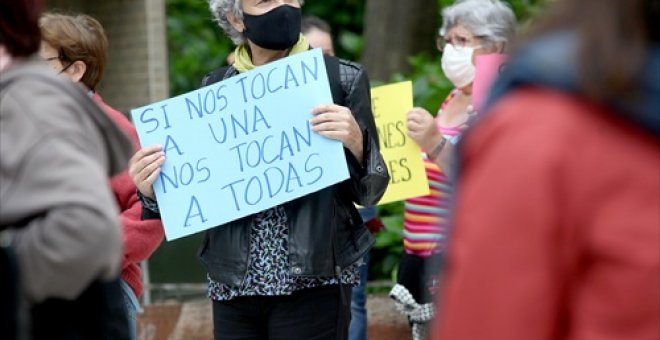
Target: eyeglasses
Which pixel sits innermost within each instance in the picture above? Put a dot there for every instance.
(458, 42)
(58, 58)
(66, 67)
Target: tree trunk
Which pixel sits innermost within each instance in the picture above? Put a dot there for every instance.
(394, 31)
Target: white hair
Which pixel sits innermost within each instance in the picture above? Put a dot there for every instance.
(490, 20)
(220, 9)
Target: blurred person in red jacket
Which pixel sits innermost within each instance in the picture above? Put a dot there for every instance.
(556, 231)
(76, 46)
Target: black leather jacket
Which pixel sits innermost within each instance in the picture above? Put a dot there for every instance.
(326, 233)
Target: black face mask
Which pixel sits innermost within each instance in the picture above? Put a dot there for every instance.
(277, 29)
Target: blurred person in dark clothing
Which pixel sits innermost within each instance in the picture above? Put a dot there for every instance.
(557, 218)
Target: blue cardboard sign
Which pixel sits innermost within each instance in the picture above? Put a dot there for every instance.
(242, 145)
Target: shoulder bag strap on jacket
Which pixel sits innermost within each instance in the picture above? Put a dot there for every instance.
(334, 78)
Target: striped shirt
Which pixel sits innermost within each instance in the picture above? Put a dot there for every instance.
(426, 218)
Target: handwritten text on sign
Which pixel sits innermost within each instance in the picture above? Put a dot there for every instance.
(403, 156)
(242, 145)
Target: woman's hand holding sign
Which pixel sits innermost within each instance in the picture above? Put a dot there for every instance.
(337, 122)
(144, 168)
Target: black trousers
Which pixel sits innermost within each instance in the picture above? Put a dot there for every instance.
(99, 313)
(316, 313)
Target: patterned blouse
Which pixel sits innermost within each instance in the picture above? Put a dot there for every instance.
(268, 263)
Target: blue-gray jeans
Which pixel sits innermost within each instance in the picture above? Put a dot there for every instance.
(132, 308)
(358, 326)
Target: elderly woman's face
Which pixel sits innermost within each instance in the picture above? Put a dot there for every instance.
(460, 37)
(258, 7)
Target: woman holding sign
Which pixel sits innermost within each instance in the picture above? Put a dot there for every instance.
(287, 272)
(470, 28)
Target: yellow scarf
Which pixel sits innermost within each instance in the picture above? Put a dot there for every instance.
(243, 61)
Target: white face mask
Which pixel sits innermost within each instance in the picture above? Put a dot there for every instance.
(457, 65)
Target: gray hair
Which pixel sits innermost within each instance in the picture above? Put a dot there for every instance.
(220, 9)
(490, 20)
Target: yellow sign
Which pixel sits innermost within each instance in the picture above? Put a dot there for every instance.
(402, 155)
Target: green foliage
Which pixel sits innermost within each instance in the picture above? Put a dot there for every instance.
(352, 43)
(388, 249)
(196, 44)
(526, 10)
(346, 18)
